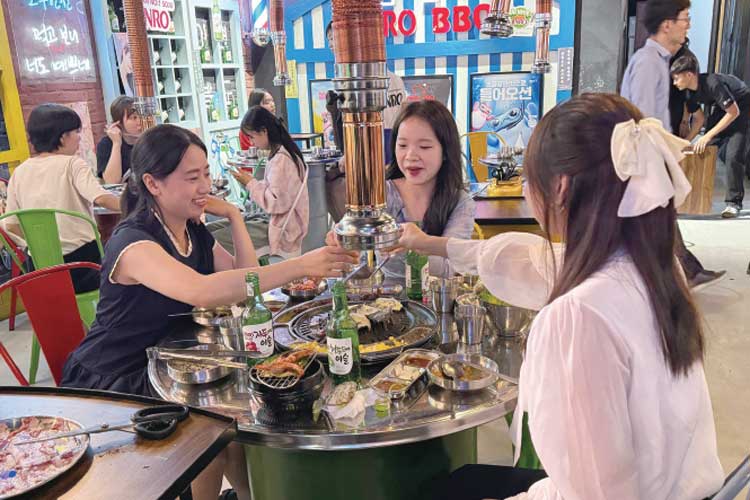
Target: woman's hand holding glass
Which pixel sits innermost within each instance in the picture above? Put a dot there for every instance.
(328, 261)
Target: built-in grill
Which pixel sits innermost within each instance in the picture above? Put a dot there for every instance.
(411, 327)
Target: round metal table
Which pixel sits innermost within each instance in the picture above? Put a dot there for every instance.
(400, 456)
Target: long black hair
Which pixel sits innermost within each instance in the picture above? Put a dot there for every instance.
(157, 152)
(450, 182)
(573, 140)
(258, 119)
(256, 97)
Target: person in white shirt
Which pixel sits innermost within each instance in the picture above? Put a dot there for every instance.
(612, 380)
(57, 178)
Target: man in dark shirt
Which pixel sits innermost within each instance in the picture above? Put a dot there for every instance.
(726, 102)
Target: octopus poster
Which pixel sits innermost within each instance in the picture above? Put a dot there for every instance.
(509, 104)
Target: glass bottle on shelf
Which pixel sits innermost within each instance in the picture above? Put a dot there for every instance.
(205, 53)
(177, 84)
(256, 321)
(216, 21)
(342, 340)
(114, 22)
(234, 110)
(226, 53)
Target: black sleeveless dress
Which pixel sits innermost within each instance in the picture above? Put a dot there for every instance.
(130, 318)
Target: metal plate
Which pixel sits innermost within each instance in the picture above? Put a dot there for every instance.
(400, 371)
(412, 328)
(304, 294)
(211, 317)
(433, 371)
(204, 375)
(75, 445)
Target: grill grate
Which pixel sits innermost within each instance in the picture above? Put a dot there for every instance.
(280, 382)
(394, 325)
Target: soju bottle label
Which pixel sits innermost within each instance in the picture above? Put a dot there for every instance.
(340, 355)
(259, 338)
(416, 278)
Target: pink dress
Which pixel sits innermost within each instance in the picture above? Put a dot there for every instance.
(282, 194)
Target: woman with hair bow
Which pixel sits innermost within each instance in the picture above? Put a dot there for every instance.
(612, 382)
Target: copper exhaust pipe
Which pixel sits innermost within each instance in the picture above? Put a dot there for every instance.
(362, 82)
(543, 25)
(145, 102)
(278, 37)
(497, 23)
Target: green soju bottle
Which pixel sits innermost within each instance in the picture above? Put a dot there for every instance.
(257, 324)
(416, 268)
(342, 340)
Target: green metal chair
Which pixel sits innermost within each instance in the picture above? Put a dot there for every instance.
(42, 236)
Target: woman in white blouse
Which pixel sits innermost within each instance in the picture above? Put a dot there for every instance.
(612, 380)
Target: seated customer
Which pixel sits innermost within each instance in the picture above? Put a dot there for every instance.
(424, 182)
(612, 380)
(258, 97)
(282, 193)
(56, 178)
(425, 179)
(161, 260)
(113, 151)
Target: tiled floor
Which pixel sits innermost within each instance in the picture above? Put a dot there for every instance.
(719, 244)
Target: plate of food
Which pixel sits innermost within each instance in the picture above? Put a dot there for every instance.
(463, 372)
(26, 467)
(305, 288)
(386, 327)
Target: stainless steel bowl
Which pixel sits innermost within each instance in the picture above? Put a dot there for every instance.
(509, 321)
(437, 377)
(179, 371)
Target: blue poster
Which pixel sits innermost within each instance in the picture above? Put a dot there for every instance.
(507, 103)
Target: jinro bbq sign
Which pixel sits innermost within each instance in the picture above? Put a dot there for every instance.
(52, 40)
(158, 15)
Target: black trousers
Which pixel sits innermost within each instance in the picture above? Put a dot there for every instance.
(478, 482)
(689, 262)
(84, 280)
(733, 152)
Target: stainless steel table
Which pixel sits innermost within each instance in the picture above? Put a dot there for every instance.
(393, 457)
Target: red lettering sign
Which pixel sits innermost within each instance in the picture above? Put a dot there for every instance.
(407, 14)
(461, 18)
(480, 12)
(389, 23)
(440, 20)
(464, 19)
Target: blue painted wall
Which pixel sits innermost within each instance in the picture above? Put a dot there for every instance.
(424, 53)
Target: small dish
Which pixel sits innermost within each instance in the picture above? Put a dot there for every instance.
(305, 288)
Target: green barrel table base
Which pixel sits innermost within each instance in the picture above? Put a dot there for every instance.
(405, 472)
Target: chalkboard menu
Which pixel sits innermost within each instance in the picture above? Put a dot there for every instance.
(52, 40)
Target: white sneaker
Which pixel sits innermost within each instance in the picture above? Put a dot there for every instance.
(730, 212)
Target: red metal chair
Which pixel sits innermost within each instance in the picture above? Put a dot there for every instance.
(17, 258)
(53, 312)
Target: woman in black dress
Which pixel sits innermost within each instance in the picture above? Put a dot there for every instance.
(114, 150)
(161, 260)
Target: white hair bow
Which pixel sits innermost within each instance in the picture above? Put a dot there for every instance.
(639, 153)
